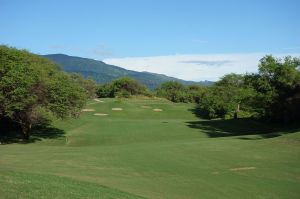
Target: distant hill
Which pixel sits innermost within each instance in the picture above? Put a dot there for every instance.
(103, 73)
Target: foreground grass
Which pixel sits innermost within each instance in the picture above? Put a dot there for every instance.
(139, 152)
(29, 185)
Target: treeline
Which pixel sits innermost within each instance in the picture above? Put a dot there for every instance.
(272, 94)
(34, 91)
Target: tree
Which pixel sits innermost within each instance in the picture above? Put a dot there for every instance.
(227, 97)
(33, 89)
(88, 84)
(196, 93)
(278, 88)
(122, 87)
(173, 91)
(105, 90)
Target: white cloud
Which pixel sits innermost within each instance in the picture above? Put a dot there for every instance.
(194, 67)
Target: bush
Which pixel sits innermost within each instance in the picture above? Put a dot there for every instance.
(123, 87)
(33, 89)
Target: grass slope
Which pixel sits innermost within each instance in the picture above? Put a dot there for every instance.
(139, 152)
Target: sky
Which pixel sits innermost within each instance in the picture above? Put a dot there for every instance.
(189, 39)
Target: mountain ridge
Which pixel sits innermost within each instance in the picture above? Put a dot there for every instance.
(103, 73)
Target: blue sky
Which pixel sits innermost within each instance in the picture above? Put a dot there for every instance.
(112, 30)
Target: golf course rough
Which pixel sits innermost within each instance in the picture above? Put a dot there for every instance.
(141, 153)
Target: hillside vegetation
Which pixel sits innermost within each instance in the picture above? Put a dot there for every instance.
(34, 91)
(104, 73)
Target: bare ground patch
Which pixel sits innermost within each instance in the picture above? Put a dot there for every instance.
(100, 114)
(157, 110)
(98, 100)
(242, 168)
(88, 110)
(117, 109)
(145, 106)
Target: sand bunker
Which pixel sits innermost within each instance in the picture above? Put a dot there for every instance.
(242, 168)
(157, 110)
(145, 106)
(117, 109)
(87, 110)
(97, 100)
(100, 114)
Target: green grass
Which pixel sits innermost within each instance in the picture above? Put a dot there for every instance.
(141, 153)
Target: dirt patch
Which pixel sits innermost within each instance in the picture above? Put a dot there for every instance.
(145, 106)
(117, 109)
(88, 110)
(157, 110)
(242, 168)
(100, 114)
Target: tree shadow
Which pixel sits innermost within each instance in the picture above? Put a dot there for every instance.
(12, 134)
(240, 127)
(199, 113)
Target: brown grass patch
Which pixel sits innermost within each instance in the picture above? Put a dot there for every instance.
(117, 109)
(97, 100)
(242, 168)
(100, 114)
(157, 110)
(145, 106)
(88, 110)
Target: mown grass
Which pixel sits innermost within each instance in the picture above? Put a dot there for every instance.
(138, 152)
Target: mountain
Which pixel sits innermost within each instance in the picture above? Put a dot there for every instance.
(103, 73)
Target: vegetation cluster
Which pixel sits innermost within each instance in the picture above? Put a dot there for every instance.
(34, 91)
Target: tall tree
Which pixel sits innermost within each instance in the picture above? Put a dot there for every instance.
(227, 97)
(33, 89)
(278, 88)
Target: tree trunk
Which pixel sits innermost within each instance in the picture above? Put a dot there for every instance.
(237, 111)
(26, 128)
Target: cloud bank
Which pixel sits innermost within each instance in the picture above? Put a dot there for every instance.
(196, 67)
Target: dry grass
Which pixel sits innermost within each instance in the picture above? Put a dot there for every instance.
(100, 114)
(157, 110)
(97, 100)
(88, 110)
(145, 106)
(242, 168)
(117, 109)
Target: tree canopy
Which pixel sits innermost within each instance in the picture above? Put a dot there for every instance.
(33, 90)
(278, 88)
(272, 94)
(177, 92)
(122, 87)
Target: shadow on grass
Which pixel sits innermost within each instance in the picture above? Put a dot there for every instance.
(13, 134)
(240, 127)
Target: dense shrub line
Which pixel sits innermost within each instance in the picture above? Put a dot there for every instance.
(33, 90)
(271, 94)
